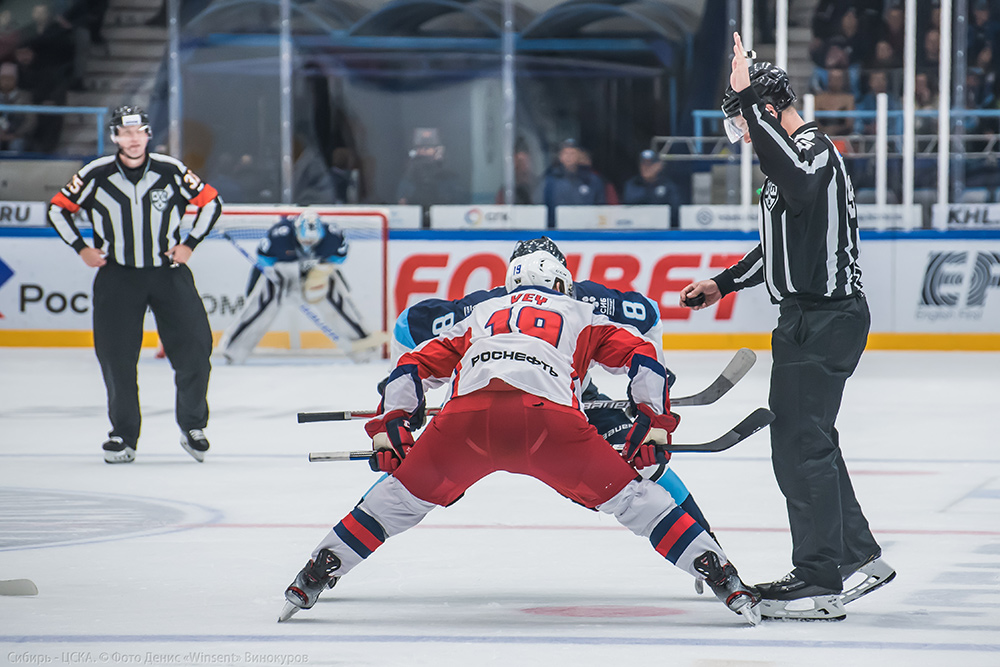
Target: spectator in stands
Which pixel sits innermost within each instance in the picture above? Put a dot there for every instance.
(835, 98)
(427, 179)
(526, 181)
(878, 82)
(925, 96)
(88, 15)
(652, 186)
(571, 182)
(929, 57)
(311, 181)
(15, 128)
(345, 175)
(9, 37)
(984, 30)
(837, 57)
(45, 58)
(893, 29)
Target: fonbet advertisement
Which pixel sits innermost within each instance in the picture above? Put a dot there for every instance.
(922, 285)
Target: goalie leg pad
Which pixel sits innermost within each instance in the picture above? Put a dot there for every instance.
(255, 320)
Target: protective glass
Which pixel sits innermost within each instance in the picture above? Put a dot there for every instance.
(736, 127)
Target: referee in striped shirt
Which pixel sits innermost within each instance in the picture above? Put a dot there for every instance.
(808, 260)
(135, 201)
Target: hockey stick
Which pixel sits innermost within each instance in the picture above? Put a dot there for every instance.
(752, 423)
(313, 317)
(740, 364)
(18, 587)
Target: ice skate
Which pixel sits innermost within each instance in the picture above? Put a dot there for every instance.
(195, 443)
(316, 576)
(873, 573)
(727, 586)
(116, 451)
(792, 598)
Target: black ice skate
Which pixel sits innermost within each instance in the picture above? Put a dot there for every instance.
(727, 586)
(116, 451)
(871, 574)
(795, 599)
(195, 443)
(316, 576)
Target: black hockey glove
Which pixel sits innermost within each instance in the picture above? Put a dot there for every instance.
(391, 440)
(646, 442)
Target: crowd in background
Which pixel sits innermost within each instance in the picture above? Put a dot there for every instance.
(857, 47)
(42, 58)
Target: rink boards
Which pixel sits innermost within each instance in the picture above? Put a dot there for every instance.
(927, 289)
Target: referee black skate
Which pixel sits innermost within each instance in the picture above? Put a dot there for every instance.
(135, 200)
(808, 259)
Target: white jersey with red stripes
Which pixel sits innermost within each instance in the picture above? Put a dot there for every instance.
(536, 340)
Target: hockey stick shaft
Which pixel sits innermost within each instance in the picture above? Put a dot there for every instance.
(313, 317)
(752, 423)
(740, 364)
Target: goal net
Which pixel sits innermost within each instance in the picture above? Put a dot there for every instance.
(365, 272)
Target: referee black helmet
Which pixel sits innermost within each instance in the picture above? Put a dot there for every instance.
(127, 116)
(772, 85)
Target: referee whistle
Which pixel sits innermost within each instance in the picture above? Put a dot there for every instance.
(750, 55)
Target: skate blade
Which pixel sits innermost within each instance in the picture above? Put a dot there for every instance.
(819, 608)
(751, 613)
(287, 612)
(876, 575)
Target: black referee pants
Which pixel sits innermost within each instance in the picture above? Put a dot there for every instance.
(121, 296)
(816, 346)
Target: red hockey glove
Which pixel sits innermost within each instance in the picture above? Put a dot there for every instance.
(650, 433)
(391, 440)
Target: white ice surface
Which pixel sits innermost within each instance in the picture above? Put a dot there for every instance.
(183, 563)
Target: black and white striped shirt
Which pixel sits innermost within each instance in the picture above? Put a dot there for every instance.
(135, 223)
(807, 215)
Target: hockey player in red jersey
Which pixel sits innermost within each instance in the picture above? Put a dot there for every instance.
(516, 365)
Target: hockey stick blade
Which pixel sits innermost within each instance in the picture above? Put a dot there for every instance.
(752, 423)
(18, 587)
(740, 364)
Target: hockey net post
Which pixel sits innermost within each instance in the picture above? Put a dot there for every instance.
(365, 270)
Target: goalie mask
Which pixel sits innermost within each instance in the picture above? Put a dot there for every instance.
(308, 229)
(539, 269)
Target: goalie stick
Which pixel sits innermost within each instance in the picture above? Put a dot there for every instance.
(734, 371)
(18, 587)
(752, 423)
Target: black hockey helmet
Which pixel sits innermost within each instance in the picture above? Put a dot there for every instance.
(127, 116)
(772, 85)
(541, 243)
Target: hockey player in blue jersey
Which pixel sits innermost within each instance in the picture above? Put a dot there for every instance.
(426, 319)
(298, 259)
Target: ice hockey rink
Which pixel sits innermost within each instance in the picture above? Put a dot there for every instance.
(167, 561)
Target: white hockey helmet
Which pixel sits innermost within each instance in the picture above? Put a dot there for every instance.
(541, 269)
(308, 229)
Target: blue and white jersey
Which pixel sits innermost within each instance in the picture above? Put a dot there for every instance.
(281, 245)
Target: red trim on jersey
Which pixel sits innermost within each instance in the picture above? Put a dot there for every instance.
(207, 194)
(65, 202)
(363, 534)
(438, 357)
(674, 534)
(609, 345)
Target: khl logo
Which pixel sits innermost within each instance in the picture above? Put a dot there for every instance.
(5, 274)
(950, 276)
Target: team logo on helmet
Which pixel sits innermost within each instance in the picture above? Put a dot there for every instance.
(540, 269)
(159, 199)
